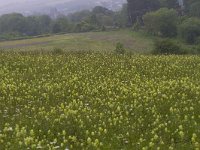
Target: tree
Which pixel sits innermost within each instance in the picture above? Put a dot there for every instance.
(189, 30)
(120, 18)
(188, 3)
(79, 16)
(61, 24)
(161, 22)
(93, 20)
(169, 3)
(12, 23)
(137, 8)
(44, 23)
(32, 26)
(194, 9)
(84, 27)
(102, 10)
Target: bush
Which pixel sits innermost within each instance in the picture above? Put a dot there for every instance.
(166, 47)
(57, 51)
(84, 27)
(189, 30)
(120, 48)
(162, 22)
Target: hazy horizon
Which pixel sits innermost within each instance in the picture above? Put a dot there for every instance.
(8, 2)
(29, 7)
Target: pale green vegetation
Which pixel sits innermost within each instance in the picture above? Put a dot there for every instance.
(92, 41)
(99, 101)
(95, 90)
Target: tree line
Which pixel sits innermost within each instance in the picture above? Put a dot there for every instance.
(167, 18)
(164, 18)
(16, 25)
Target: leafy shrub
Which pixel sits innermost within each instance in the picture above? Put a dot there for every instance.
(189, 30)
(162, 22)
(57, 51)
(120, 48)
(166, 47)
(84, 27)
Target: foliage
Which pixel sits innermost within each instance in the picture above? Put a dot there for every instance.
(12, 23)
(61, 24)
(17, 23)
(99, 101)
(57, 51)
(8, 36)
(164, 22)
(137, 8)
(136, 26)
(168, 3)
(166, 47)
(192, 50)
(84, 27)
(79, 16)
(102, 10)
(121, 17)
(103, 28)
(82, 21)
(189, 30)
(120, 48)
(195, 9)
(198, 49)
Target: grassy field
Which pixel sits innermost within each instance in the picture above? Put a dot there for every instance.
(95, 41)
(99, 101)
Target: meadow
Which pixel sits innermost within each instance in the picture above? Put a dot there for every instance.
(99, 101)
(91, 41)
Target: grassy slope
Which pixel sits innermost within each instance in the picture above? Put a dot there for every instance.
(98, 41)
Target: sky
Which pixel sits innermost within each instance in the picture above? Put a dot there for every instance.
(15, 2)
(28, 7)
(7, 6)
(3, 2)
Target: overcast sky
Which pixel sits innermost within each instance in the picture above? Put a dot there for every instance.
(15, 2)
(6, 2)
(28, 7)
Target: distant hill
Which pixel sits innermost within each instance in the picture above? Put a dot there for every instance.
(55, 7)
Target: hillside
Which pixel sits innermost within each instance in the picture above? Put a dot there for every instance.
(95, 41)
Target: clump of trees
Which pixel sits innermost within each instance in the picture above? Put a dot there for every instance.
(167, 19)
(137, 8)
(16, 25)
(161, 22)
(189, 30)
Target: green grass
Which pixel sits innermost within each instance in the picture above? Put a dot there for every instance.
(99, 101)
(95, 41)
